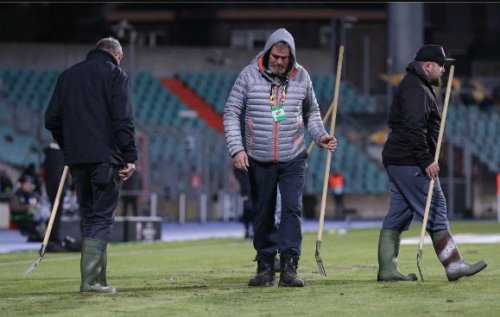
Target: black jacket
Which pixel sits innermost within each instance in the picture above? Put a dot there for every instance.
(414, 120)
(90, 113)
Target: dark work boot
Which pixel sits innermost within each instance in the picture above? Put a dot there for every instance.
(388, 251)
(448, 254)
(288, 275)
(265, 272)
(93, 267)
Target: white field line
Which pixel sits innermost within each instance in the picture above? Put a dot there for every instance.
(465, 238)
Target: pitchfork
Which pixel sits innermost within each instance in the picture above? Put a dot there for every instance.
(328, 162)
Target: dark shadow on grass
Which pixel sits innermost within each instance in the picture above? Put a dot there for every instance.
(44, 293)
(336, 282)
(182, 288)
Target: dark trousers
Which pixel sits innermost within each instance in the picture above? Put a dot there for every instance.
(264, 179)
(408, 187)
(97, 189)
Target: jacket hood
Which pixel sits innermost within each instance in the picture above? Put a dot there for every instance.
(277, 36)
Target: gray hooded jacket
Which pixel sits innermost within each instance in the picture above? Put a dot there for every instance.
(247, 111)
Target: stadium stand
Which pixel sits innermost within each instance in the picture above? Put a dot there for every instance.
(26, 92)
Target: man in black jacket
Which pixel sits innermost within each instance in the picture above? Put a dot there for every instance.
(408, 156)
(90, 116)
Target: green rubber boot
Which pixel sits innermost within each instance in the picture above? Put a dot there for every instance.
(104, 264)
(93, 264)
(448, 254)
(388, 250)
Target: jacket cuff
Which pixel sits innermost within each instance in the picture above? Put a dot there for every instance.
(130, 157)
(426, 163)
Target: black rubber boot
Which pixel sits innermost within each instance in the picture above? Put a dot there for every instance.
(288, 275)
(447, 252)
(388, 251)
(93, 267)
(265, 272)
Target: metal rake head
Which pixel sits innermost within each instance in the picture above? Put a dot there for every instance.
(36, 262)
(32, 266)
(321, 267)
(419, 257)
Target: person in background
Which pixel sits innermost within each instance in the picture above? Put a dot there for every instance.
(245, 193)
(51, 173)
(24, 211)
(408, 155)
(270, 105)
(6, 186)
(90, 115)
(31, 172)
(336, 184)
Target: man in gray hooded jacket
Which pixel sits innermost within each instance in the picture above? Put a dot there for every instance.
(270, 105)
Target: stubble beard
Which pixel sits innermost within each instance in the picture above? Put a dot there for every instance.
(436, 82)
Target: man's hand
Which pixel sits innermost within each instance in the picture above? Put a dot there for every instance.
(127, 171)
(328, 142)
(432, 170)
(240, 160)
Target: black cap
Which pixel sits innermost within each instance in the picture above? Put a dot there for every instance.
(432, 53)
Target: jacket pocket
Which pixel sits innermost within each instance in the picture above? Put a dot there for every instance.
(250, 133)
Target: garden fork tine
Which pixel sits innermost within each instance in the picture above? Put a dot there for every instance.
(321, 267)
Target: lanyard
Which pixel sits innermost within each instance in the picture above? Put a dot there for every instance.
(283, 95)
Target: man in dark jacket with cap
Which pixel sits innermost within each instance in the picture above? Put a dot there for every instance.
(408, 155)
(90, 116)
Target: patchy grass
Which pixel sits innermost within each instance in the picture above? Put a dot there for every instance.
(209, 277)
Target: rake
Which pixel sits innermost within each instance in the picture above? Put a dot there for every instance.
(334, 105)
(51, 223)
(431, 184)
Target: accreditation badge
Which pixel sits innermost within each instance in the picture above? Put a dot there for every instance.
(278, 113)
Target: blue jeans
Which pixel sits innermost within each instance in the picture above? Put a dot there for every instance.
(264, 179)
(408, 187)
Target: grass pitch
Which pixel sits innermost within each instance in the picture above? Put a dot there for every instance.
(209, 278)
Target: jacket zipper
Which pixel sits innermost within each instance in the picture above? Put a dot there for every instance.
(276, 129)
